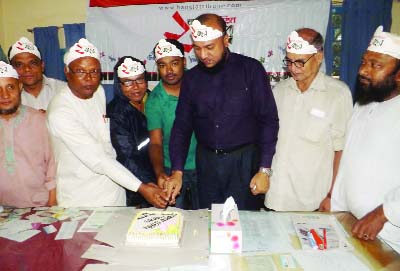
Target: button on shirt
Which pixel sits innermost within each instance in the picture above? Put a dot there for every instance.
(227, 109)
(50, 88)
(312, 128)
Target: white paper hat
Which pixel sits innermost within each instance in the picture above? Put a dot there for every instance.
(23, 45)
(297, 45)
(385, 43)
(165, 48)
(130, 68)
(80, 49)
(201, 32)
(6, 70)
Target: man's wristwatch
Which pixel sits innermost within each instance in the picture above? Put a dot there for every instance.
(265, 170)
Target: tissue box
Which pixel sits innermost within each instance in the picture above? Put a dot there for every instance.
(226, 237)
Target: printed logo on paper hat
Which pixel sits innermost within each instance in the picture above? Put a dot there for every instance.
(165, 48)
(201, 32)
(385, 43)
(297, 45)
(23, 45)
(80, 49)
(130, 68)
(6, 70)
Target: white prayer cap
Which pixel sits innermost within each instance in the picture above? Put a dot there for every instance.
(23, 45)
(130, 68)
(80, 49)
(297, 45)
(165, 48)
(201, 32)
(6, 70)
(385, 43)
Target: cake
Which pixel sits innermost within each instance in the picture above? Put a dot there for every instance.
(155, 228)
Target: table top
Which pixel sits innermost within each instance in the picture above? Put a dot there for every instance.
(42, 252)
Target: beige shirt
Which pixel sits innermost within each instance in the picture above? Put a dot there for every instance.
(49, 89)
(312, 127)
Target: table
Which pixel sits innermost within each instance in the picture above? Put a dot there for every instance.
(42, 252)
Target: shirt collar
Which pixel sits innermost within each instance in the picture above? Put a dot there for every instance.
(317, 84)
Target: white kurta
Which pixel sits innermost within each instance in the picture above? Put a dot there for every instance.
(369, 172)
(87, 172)
(312, 127)
(49, 89)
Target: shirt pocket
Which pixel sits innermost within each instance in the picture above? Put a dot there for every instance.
(238, 102)
(316, 127)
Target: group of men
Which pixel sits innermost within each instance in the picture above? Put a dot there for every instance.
(215, 131)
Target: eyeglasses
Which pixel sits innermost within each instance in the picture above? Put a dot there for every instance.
(298, 63)
(129, 83)
(82, 73)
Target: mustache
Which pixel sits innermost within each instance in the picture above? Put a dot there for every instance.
(361, 77)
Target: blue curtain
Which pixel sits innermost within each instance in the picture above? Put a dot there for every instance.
(328, 50)
(73, 32)
(46, 39)
(360, 20)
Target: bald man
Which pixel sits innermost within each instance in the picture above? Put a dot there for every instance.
(313, 111)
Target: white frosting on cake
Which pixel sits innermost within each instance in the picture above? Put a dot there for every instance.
(155, 228)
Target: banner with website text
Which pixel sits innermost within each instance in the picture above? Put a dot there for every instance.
(256, 28)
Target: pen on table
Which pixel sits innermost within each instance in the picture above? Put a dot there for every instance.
(325, 240)
(317, 239)
(311, 240)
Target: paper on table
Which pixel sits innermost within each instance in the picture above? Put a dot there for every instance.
(260, 263)
(263, 232)
(67, 230)
(96, 220)
(333, 260)
(20, 236)
(303, 223)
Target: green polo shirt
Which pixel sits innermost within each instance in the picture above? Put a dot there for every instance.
(160, 113)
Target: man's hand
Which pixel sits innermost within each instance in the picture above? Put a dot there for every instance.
(259, 184)
(52, 198)
(325, 205)
(161, 179)
(370, 225)
(173, 185)
(154, 195)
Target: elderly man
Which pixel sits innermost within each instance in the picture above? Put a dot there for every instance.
(38, 90)
(368, 183)
(88, 173)
(160, 112)
(313, 111)
(227, 101)
(128, 125)
(27, 170)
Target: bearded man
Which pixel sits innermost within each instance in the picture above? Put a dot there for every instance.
(368, 183)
